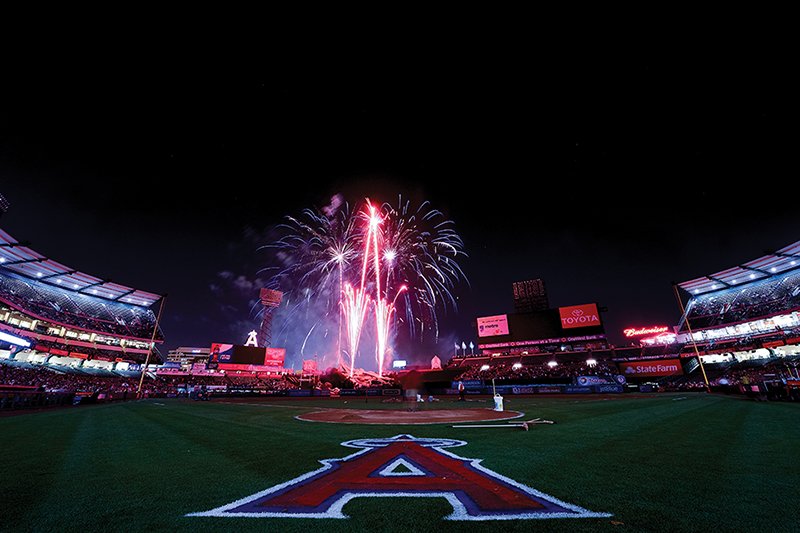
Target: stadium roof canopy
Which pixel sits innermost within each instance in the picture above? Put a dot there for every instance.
(785, 259)
(17, 257)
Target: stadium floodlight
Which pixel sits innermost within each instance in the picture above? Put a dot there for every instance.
(38, 274)
(14, 340)
(58, 281)
(734, 282)
(2, 259)
(516, 366)
(484, 367)
(94, 291)
(591, 362)
(773, 270)
(714, 286)
(552, 364)
(74, 285)
(696, 291)
(793, 263)
(752, 276)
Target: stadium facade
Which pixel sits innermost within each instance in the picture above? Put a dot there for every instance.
(70, 319)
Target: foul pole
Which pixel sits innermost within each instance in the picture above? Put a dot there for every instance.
(691, 336)
(152, 346)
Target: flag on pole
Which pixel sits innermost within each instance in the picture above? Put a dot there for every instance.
(456, 346)
(463, 345)
(471, 346)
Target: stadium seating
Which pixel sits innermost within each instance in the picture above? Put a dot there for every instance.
(76, 309)
(756, 300)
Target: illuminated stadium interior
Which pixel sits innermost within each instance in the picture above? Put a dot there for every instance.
(750, 306)
(69, 318)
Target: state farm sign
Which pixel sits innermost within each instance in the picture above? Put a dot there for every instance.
(579, 316)
(652, 368)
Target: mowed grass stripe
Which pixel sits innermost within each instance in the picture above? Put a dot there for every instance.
(704, 463)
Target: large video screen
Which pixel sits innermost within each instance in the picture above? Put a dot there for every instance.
(490, 326)
(228, 355)
(247, 355)
(579, 316)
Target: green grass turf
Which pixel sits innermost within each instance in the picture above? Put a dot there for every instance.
(703, 463)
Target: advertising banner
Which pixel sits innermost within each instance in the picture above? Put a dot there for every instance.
(219, 353)
(572, 389)
(468, 384)
(585, 381)
(579, 316)
(608, 388)
(275, 357)
(490, 326)
(646, 330)
(652, 368)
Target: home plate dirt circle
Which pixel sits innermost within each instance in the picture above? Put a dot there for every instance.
(382, 416)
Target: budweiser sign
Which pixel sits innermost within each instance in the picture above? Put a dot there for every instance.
(638, 332)
(579, 316)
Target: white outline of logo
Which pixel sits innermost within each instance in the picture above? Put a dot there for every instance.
(335, 510)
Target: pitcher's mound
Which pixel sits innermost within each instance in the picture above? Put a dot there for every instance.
(434, 416)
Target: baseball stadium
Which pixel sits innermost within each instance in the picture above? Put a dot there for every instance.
(542, 423)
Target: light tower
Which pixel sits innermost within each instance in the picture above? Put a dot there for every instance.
(271, 300)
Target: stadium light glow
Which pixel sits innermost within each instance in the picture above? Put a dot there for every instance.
(484, 367)
(552, 364)
(793, 263)
(752, 276)
(714, 286)
(773, 269)
(38, 274)
(696, 291)
(2, 259)
(14, 340)
(94, 291)
(591, 362)
(74, 285)
(516, 366)
(734, 282)
(58, 281)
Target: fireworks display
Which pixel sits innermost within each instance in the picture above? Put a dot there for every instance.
(353, 276)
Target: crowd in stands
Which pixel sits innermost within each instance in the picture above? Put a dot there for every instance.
(81, 310)
(756, 300)
(47, 380)
(566, 369)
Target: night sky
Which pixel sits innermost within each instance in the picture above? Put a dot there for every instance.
(609, 179)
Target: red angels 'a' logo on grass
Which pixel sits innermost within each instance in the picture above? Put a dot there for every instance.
(403, 466)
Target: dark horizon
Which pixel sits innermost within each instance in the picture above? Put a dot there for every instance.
(609, 194)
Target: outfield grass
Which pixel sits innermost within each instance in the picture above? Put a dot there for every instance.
(664, 463)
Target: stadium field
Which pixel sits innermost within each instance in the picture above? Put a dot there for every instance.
(670, 462)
